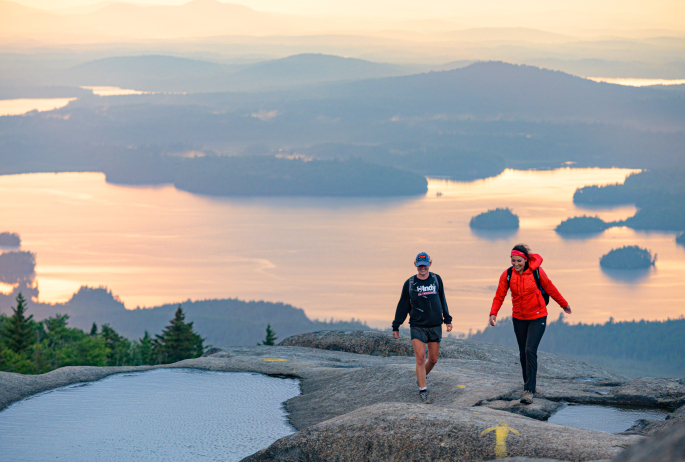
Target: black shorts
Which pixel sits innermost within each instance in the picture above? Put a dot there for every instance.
(427, 334)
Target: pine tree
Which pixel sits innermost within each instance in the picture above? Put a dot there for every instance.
(19, 332)
(145, 346)
(178, 341)
(94, 330)
(270, 336)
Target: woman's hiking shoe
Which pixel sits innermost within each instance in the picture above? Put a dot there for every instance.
(527, 397)
(423, 394)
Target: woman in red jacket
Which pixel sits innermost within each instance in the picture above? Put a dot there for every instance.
(530, 309)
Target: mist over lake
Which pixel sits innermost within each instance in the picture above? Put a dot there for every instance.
(333, 257)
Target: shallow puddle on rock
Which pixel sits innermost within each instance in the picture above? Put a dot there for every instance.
(611, 419)
(161, 415)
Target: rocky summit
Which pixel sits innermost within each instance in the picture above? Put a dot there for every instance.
(359, 402)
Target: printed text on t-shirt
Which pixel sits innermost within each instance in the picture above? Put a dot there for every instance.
(426, 290)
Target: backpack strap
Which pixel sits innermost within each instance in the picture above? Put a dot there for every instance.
(437, 284)
(509, 271)
(536, 275)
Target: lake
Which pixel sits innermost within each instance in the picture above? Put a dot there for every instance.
(333, 257)
(162, 415)
(11, 107)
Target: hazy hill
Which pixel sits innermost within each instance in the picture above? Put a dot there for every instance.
(222, 322)
(474, 121)
(306, 69)
(497, 90)
(173, 74)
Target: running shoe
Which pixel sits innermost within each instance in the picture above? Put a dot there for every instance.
(527, 397)
(423, 394)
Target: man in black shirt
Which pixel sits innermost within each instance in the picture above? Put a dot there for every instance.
(423, 298)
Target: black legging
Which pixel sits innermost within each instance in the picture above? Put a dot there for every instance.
(528, 336)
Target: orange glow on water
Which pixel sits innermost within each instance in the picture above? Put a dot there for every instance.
(154, 245)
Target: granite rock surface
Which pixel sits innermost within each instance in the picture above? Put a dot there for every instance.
(363, 385)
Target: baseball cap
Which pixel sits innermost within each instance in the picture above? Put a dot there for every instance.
(422, 259)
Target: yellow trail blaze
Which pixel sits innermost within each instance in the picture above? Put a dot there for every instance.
(501, 433)
(275, 359)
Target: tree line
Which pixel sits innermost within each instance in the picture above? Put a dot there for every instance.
(633, 348)
(35, 347)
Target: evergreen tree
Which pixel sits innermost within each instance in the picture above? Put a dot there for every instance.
(94, 330)
(19, 331)
(118, 347)
(145, 345)
(178, 341)
(270, 336)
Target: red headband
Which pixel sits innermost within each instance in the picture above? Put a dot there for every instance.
(519, 254)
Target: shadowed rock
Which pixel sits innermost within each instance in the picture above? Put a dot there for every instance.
(361, 406)
(665, 446)
(650, 391)
(425, 433)
(541, 409)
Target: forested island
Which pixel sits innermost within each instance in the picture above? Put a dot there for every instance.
(659, 194)
(17, 266)
(9, 240)
(267, 176)
(628, 257)
(634, 348)
(499, 218)
(582, 225)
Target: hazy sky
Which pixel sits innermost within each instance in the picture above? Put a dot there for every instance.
(606, 14)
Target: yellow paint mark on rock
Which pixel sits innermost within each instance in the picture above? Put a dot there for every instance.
(275, 359)
(461, 386)
(501, 433)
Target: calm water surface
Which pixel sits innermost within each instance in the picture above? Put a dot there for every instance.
(333, 257)
(10, 107)
(161, 415)
(611, 419)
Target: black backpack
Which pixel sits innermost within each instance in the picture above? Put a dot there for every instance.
(536, 275)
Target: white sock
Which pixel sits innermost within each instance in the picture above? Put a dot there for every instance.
(423, 389)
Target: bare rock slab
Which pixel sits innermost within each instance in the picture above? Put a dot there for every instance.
(540, 409)
(665, 446)
(415, 432)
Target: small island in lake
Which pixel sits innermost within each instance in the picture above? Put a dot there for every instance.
(628, 257)
(680, 239)
(498, 218)
(582, 225)
(9, 240)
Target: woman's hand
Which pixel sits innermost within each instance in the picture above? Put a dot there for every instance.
(396, 334)
(493, 320)
(567, 309)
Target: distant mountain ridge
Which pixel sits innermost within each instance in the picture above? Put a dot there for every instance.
(162, 73)
(222, 322)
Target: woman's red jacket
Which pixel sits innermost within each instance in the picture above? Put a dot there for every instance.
(526, 297)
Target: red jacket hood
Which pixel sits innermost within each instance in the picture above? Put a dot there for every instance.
(535, 261)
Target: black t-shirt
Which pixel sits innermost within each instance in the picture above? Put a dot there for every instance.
(424, 302)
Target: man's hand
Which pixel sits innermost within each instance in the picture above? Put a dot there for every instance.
(493, 320)
(396, 334)
(449, 327)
